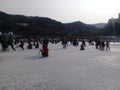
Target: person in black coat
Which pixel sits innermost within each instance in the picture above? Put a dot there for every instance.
(45, 42)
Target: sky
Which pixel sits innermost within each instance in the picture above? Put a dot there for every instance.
(65, 11)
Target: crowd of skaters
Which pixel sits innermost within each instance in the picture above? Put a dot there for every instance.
(6, 41)
(102, 44)
(10, 41)
(99, 43)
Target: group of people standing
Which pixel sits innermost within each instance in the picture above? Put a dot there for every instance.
(7, 41)
(99, 44)
(102, 45)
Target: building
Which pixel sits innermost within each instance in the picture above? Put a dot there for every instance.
(114, 20)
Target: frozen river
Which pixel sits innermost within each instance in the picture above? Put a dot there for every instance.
(63, 69)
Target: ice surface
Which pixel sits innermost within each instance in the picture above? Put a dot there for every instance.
(63, 69)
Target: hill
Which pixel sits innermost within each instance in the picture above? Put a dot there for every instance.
(99, 25)
(42, 26)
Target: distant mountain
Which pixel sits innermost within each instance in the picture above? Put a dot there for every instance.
(42, 26)
(81, 28)
(99, 25)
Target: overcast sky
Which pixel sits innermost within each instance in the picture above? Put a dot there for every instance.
(87, 11)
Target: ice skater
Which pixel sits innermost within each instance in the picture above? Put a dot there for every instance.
(64, 42)
(107, 44)
(82, 47)
(22, 44)
(10, 40)
(44, 51)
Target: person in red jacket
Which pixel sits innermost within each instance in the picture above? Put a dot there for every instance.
(44, 51)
